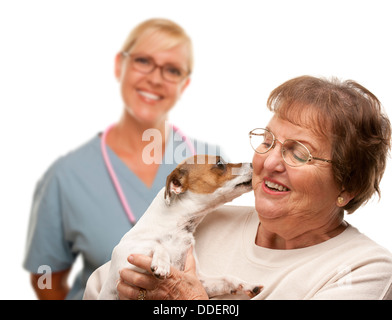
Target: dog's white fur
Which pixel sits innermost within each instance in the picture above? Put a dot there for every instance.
(165, 231)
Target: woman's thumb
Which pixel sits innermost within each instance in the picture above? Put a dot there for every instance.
(190, 262)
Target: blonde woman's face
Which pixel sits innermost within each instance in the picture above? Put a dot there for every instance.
(149, 97)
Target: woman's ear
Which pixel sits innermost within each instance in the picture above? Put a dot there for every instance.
(118, 65)
(344, 198)
(186, 84)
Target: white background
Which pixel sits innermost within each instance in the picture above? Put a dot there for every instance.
(57, 87)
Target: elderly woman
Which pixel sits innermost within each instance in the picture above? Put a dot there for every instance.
(323, 152)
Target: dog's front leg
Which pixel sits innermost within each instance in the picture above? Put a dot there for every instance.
(160, 265)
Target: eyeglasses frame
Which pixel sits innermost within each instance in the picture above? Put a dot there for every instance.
(310, 158)
(155, 65)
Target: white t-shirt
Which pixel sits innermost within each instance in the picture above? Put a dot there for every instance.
(348, 266)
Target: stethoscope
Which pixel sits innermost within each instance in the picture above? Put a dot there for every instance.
(113, 175)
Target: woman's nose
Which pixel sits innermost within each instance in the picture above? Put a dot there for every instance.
(273, 160)
(155, 76)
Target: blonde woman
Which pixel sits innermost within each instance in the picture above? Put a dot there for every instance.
(88, 199)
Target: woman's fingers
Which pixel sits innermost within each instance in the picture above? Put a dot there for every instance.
(180, 285)
(126, 291)
(190, 262)
(141, 261)
(139, 278)
(136, 279)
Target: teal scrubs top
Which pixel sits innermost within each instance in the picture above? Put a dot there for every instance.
(76, 210)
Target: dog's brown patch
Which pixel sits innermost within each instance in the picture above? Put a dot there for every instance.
(200, 174)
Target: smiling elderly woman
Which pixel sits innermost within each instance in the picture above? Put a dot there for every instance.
(323, 152)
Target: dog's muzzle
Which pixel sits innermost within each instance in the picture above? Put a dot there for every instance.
(245, 184)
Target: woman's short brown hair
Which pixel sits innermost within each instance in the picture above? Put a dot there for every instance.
(352, 120)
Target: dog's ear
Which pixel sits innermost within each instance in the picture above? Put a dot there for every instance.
(176, 183)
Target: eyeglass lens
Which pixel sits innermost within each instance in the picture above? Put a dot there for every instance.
(293, 152)
(169, 72)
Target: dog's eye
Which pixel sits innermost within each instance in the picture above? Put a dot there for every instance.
(220, 165)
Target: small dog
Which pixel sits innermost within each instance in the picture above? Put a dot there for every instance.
(165, 232)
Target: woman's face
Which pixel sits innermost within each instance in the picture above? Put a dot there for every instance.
(148, 97)
(310, 192)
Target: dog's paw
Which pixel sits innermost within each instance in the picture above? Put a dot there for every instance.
(160, 272)
(160, 267)
(216, 286)
(249, 289)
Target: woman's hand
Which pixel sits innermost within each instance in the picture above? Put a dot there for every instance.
(180, 285)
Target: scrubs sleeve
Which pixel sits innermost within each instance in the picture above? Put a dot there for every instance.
(46, 244)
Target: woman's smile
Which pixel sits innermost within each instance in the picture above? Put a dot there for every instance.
(274, 187)
(149, 96)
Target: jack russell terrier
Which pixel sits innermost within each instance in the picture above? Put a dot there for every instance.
(165, 232)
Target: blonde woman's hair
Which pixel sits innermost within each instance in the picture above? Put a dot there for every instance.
(173, 35)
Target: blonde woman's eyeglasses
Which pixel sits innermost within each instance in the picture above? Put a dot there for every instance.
(146, 64)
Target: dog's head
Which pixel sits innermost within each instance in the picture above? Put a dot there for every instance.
(209, 175)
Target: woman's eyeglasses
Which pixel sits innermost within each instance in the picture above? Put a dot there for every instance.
(294, 153)
(146, 64)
